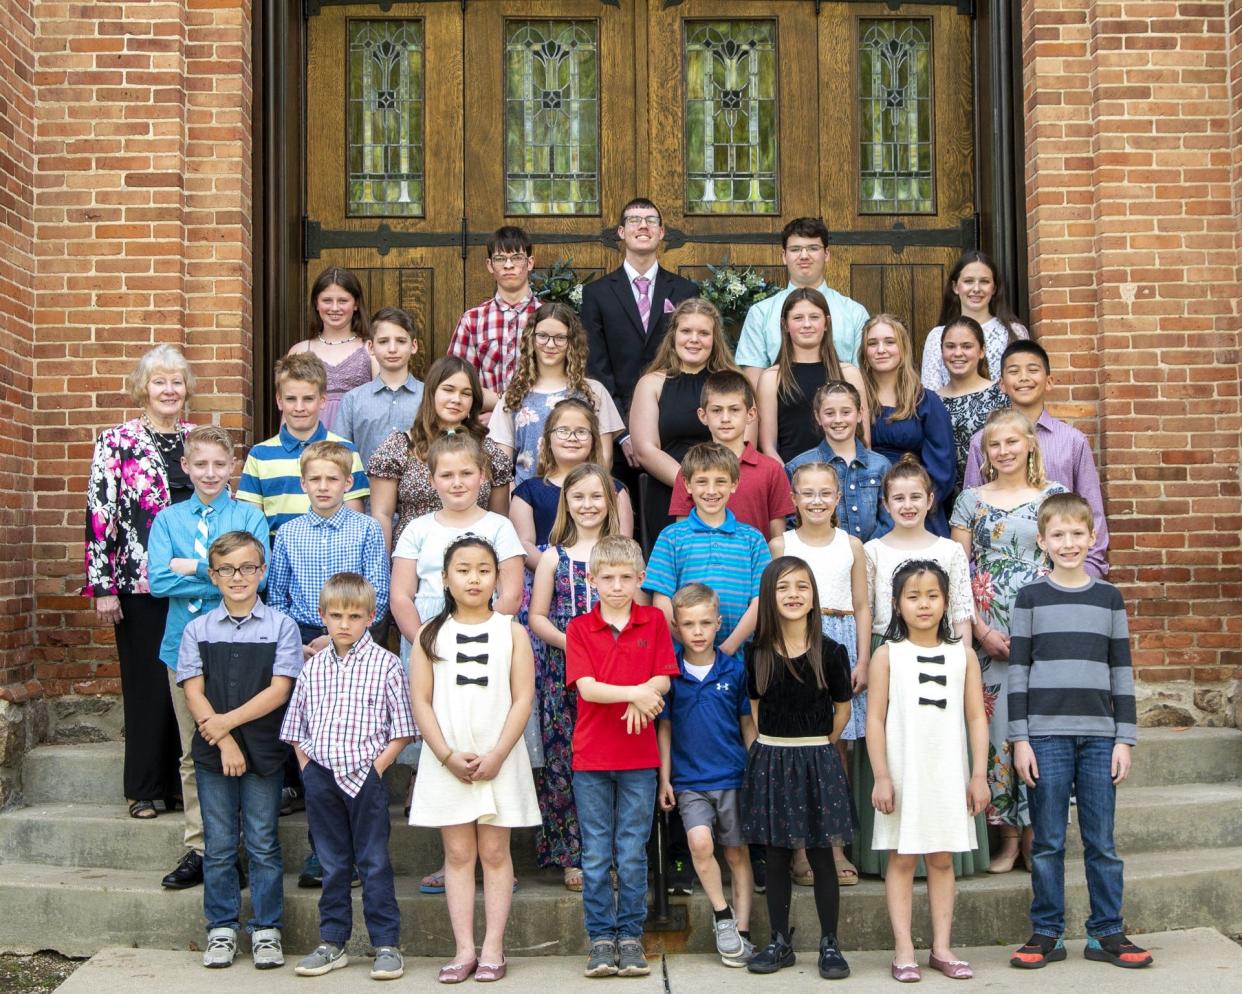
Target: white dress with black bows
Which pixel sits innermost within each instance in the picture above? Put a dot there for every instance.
(471, 699)
(925, 733)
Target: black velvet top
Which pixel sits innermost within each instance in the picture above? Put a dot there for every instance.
(797, 708)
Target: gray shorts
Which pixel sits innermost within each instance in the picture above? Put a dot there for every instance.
(719, 810)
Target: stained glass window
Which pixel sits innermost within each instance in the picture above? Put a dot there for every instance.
(731, 126)
(895, 116)
(385, 105)
(551, 117)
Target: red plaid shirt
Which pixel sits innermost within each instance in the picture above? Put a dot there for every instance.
(488, 337)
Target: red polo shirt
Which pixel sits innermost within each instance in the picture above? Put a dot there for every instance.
(642, 650)
(762, 492)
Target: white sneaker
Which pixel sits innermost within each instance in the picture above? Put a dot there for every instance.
(221, 948)
(266, 950)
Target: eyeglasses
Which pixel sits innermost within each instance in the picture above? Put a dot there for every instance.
(638, 220)
(543, 338)
(577, 434)
(804, 249)
(245, 569)
(516, 259)
(817, 496)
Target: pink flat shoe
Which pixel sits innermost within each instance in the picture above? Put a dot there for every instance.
(954, 969)
(487, 972)
(455, 973)
(907, 974)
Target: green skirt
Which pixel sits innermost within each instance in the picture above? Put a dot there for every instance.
(874, 861)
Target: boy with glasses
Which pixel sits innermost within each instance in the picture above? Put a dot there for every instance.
(488, 336)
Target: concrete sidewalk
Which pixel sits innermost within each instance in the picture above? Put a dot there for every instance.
(1200, 960)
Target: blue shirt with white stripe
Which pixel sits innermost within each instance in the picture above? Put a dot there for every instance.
(311, 549)
(727, 557)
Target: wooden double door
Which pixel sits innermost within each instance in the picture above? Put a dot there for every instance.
(428, 125)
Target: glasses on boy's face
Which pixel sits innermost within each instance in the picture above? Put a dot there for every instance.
(516, 259)
(245, 569)
(577, 434)
(543, 338)
(638, 220)
(804, 249)
(816, 496)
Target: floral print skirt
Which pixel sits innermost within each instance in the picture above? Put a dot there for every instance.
(1009, 805)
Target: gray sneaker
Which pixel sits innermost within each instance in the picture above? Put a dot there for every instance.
(388, 965)
(265, 948)
(631, 960)
(326, 958)
(602, 961)
(728, 940)
(744, 957)
(221, 948)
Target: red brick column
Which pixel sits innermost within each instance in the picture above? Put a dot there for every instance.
(143, 236)
(1134, 182)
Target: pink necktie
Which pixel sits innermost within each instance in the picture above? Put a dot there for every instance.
(644, 300)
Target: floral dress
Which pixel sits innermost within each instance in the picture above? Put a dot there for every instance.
(559, 841)
(969, 413)
(1004, 558)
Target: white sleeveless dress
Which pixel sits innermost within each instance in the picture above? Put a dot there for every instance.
(926, 745)
(471, 700)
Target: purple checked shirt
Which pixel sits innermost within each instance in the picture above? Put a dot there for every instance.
(344, 712)
(1068, 461)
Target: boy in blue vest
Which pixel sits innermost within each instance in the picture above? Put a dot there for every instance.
(704, 732)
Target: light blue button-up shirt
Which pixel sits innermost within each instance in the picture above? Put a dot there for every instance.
(370, 413)
(760, 339)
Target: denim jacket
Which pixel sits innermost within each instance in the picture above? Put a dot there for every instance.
(861, 512)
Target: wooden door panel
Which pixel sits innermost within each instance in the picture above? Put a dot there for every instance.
(908, 286)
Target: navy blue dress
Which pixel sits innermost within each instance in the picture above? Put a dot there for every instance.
(929, 435)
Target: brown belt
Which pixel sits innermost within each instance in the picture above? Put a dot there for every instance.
(832, 612)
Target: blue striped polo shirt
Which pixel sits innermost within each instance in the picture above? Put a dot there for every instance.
(728, 558)
(272, 477)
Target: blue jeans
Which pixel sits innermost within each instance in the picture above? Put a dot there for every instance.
(614, 814)
(1083, 766)
(253, 803)
(348, 831)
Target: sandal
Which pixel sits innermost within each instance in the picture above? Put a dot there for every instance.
(847, 876)
(143, 810)
(433, 883)
(803, 877)
(573, 878)
(455, 973)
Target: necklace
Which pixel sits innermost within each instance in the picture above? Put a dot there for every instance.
(166, 444)
(343, 341)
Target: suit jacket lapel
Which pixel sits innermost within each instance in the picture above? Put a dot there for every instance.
(625, 297)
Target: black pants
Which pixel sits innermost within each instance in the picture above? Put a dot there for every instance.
(152, 742)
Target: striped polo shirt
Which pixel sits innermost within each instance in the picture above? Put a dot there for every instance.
(728, 558)
(1069, 663)
(272, 478)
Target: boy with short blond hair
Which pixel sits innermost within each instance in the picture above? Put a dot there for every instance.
(236, 665)
(704, 732)
(271, 477)
(762, 499)
(181, 536)
(348, 719)
(619, 656)
(1072, 722)
(711, 546)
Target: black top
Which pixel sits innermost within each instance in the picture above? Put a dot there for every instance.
(797, 708)
(796, 430)
(171, 448)
(680, 427)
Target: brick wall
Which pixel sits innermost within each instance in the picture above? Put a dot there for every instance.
(16, 343)
(142, 235)
(1133, 172)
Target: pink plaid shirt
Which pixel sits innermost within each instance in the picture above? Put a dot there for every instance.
(488, 338)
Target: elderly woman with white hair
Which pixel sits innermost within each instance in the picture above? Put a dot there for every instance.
(136, 473)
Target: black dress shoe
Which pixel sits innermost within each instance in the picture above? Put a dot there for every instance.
(776, 955)
(832, 965)
(187, 873)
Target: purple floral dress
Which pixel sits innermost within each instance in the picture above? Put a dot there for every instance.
(1004, 558)
(559, 841)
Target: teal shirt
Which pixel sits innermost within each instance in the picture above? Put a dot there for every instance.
(760, 339)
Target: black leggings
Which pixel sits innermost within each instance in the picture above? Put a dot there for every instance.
(780, 888)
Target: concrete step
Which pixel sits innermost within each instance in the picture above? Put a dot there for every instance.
(1149, 819)
(78, 911)
(1200, 959)
(105, 836)
(91, 773)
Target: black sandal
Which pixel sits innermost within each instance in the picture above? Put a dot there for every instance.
(142, 810)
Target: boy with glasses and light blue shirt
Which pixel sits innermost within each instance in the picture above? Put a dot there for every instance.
(804, 245)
